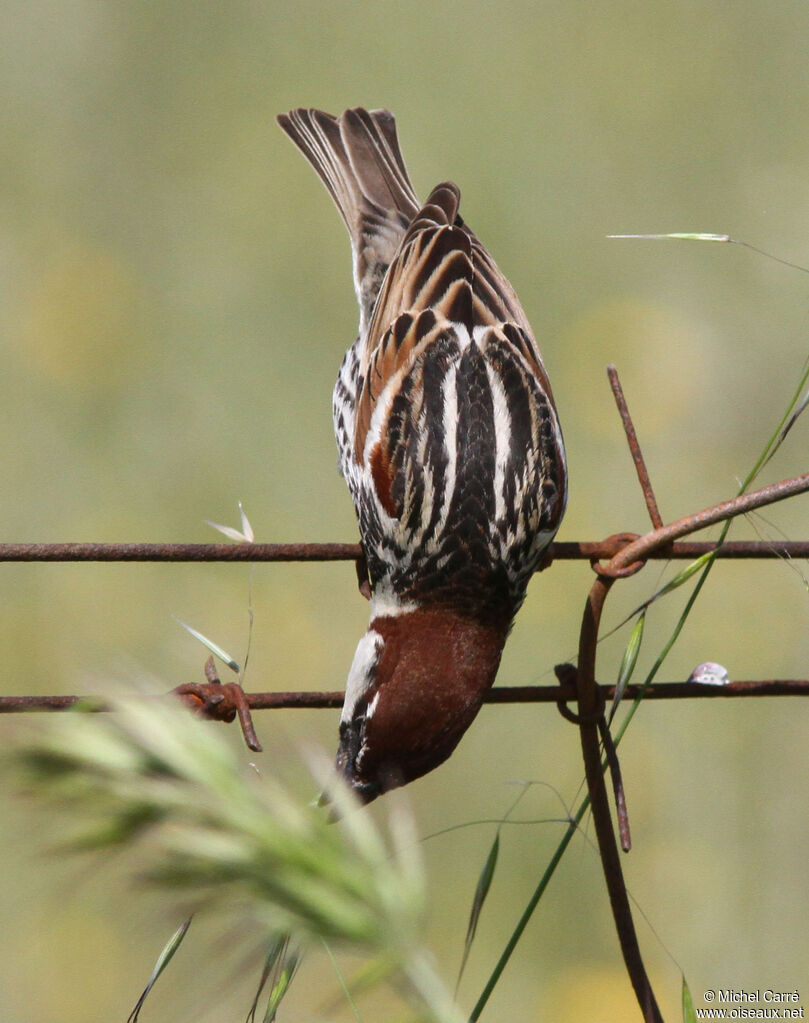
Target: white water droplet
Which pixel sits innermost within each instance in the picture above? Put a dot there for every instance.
(710, 674)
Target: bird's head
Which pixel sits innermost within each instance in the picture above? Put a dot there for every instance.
(416, 683)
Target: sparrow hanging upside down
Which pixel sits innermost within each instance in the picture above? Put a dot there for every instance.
(450, 444)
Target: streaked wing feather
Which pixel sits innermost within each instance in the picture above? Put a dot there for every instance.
(441, 266)
(497, 302)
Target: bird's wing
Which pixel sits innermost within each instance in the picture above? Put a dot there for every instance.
(441, 279)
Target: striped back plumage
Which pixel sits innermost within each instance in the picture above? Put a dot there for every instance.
(444, 416)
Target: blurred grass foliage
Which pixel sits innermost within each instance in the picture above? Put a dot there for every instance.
(175, 299)
(150, 778)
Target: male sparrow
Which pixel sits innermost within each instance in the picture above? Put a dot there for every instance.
(449, 442)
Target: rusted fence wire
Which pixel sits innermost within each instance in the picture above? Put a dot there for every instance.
(571, 550)
(331, 698)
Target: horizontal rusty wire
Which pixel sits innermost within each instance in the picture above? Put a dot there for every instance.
(571, 550)
(308, 700)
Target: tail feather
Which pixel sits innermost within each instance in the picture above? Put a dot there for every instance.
(358, 159)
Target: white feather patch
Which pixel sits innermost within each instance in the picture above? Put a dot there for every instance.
(502, 434)
(369, 713)
(450, 394)
(385, 603)
(361, 672)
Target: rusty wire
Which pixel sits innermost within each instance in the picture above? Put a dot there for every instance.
(332, 698)
(571, 550)
(634, 447)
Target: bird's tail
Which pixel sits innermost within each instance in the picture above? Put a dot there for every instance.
(358, 159)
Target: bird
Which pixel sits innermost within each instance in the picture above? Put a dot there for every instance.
(449, 440)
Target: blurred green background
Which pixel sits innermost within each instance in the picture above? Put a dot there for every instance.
(175, 299)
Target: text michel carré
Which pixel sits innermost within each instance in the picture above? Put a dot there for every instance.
(731, 995)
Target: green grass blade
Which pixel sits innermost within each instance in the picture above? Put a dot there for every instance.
(689, 1016)
(677, 236)
(528, 912)
(628, 663)
(482, 890)
(349, 996)
(779, 433)
(787, 426)
(217, 651)
(274, 955)
(684, 575)
(282, 979)
(161, 963)
(704, 236)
